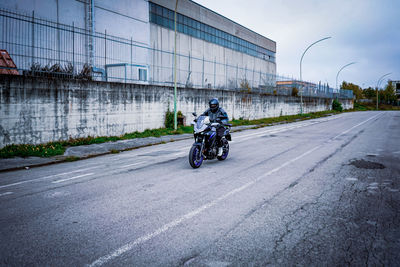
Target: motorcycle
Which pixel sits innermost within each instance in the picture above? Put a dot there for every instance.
(205, 144)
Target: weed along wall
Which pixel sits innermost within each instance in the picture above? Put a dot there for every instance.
(37, 110)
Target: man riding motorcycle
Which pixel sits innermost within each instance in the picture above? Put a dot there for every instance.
(217, 114)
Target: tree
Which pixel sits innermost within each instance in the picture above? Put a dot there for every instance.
(389, 93)
(357, 91)
(336, 105)
(369, 93)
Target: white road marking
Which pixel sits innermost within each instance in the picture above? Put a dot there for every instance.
(6, 193)
(118, 252)
(133, 164)
(44, 178)
(72, 178)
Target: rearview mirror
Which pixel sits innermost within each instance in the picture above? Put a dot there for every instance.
(194, 114)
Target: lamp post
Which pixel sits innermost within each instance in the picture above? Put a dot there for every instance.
(337, 75)
(175, 113)
(301, 60)
(377, 87)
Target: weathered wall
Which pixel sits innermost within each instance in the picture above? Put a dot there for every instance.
(39, 110)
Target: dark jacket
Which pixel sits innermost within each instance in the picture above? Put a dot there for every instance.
(214, 115)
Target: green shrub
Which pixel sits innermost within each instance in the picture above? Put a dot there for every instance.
(169, 119)
(336, 105)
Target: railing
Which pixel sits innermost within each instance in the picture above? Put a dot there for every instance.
(44, 48)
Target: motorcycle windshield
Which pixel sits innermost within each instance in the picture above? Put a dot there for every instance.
(201, 124)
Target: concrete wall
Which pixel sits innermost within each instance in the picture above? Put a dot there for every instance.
(39, 110)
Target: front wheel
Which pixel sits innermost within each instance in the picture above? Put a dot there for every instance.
(225, 150)
(195, 157)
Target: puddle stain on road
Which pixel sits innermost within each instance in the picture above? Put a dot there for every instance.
(365, 164)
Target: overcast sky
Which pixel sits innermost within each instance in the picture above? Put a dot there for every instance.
(364, 31)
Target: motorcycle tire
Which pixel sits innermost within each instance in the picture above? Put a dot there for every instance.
(225, 149)
(194, 161)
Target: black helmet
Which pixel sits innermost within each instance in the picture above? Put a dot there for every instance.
(214, 104)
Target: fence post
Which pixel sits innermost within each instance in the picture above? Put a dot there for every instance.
(253, 77)
(245, 74)
(237, 69)
(215, 69)
(33, 37)
(105, 54)
(58, 36)
(189, 71)
(202, 76)
(73, 49)
(226, 75)
(131, 64)
(125, 73)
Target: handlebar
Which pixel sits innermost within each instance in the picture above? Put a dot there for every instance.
(224, 124)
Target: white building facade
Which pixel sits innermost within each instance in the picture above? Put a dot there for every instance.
(214, 52)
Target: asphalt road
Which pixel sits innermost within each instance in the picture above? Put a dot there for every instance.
(322, 192)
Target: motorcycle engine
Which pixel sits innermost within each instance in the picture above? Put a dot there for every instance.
(212, 153)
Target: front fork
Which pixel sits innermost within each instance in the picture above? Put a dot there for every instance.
(201, 149)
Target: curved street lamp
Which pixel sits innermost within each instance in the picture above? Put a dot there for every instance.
(337, 75)
(377, 87)
(301, 79)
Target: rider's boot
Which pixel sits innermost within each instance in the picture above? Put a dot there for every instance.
(220, 151)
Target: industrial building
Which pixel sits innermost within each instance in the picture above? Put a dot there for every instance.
(396, 85)
(214, 51)
(134, 41)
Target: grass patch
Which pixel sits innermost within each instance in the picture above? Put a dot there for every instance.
(287, 118)
(372, 106)
(43, 150)
(71, 158)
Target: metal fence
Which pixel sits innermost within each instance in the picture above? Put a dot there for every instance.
(44, 48)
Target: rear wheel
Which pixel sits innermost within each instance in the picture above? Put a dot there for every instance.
(225, 149)
(195, 157)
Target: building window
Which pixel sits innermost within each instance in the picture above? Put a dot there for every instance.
(142, 75)
(165, 17)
